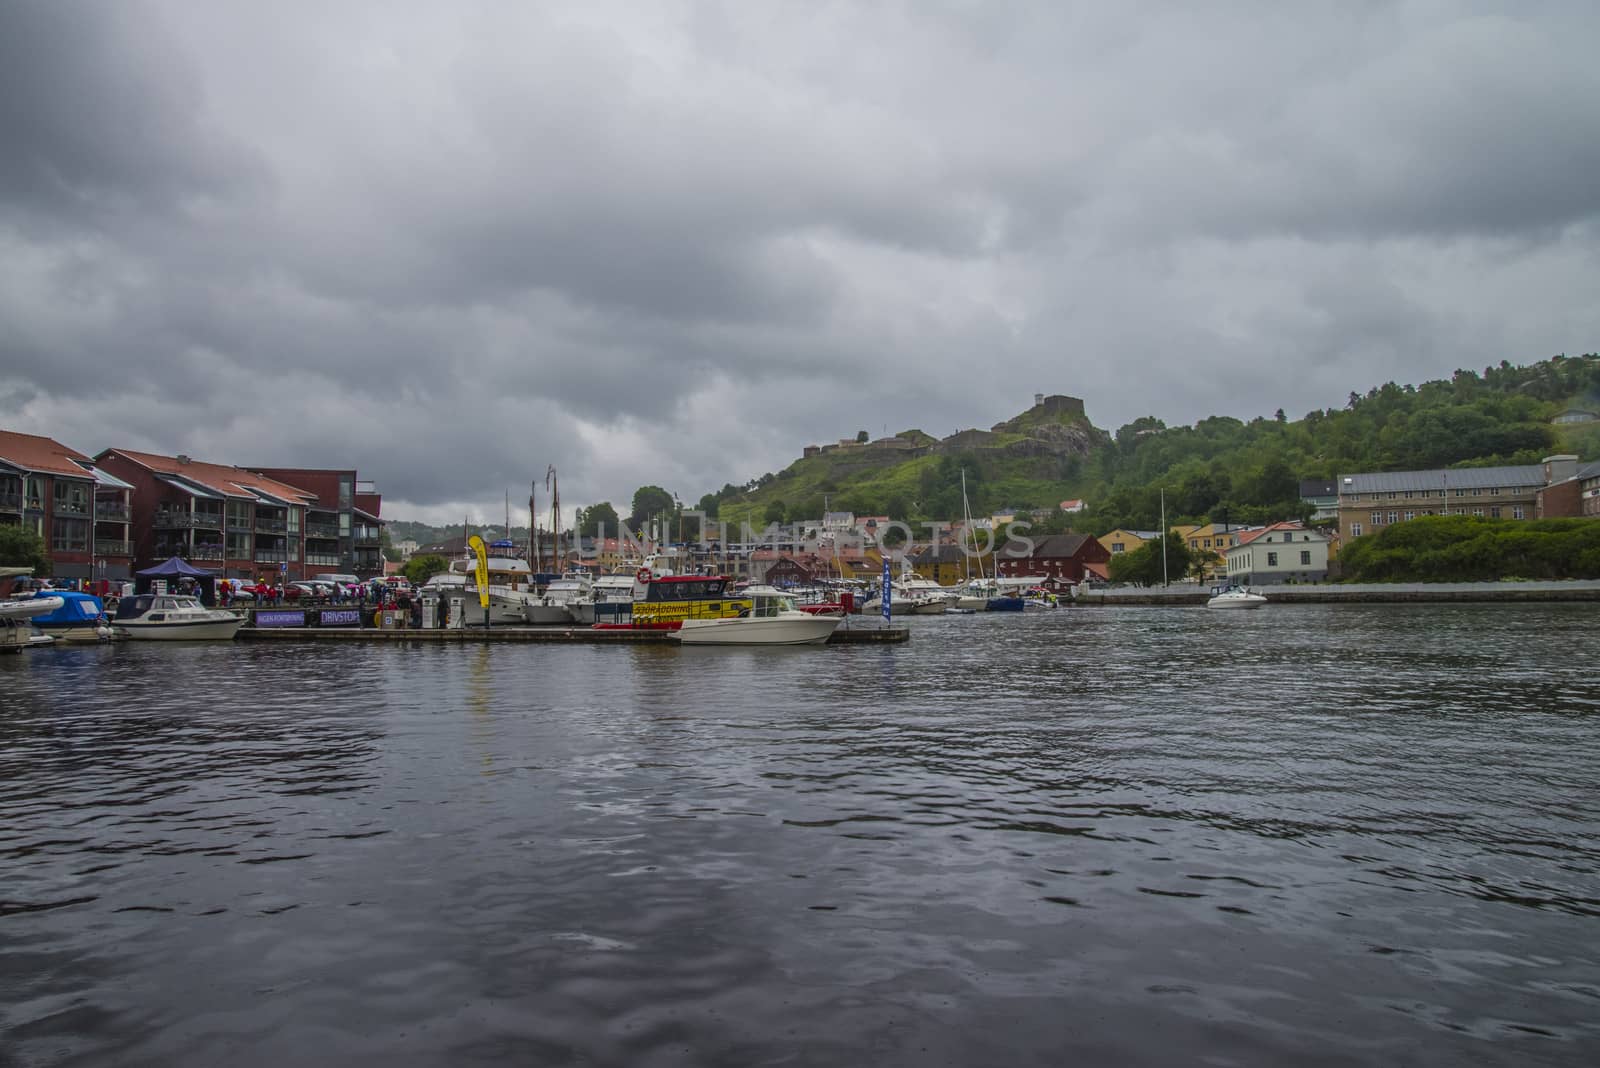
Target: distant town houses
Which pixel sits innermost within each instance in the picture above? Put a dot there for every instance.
(122, 510)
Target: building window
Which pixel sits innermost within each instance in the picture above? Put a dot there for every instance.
(1116, 546)
(1408, 495)
(1377, 519)
(35, 492)
(1272, 559)
(1410, 516)
(1461, 493)
(1355, 530)
(72, 498)
(1478, 512)
(1516, 512)
(1391, 495)
(1494, 513)
(1477, 492)
(1394, 517)
(1305, 557)
(69, 535)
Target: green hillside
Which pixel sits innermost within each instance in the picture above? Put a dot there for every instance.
(1250, 470)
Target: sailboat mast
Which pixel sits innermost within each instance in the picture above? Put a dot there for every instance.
(533, 524)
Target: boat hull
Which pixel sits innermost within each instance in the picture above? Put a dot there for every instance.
(787, 630)
(1234, 604)
(1006, 604)
(77, 632)
(976, 604)
(199, 630)
(546, 615)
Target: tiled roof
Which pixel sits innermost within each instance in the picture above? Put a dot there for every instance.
(1531, 475)
(1054, 546)
(220, 478)
(31, 452)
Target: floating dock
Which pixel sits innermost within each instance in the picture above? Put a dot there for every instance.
(567, 635)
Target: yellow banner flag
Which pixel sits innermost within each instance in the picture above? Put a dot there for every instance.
(481, 551)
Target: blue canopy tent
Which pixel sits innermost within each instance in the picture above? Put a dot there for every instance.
(172, 569)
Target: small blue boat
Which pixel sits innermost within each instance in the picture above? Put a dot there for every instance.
(81, 618)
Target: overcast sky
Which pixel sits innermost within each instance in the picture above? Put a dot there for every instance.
(451, 244)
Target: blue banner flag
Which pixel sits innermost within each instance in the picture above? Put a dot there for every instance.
(887, 588)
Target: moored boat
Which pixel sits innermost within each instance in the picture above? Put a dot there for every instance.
(1235, 597)
(81, 618)
(772, 619)
(173, 617)
(16, 621)
(665, 602)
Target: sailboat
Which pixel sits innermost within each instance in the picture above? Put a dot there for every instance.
(982, 594)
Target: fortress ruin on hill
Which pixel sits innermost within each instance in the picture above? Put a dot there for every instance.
(1056, 408)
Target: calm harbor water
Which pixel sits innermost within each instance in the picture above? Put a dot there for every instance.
(1306, 835)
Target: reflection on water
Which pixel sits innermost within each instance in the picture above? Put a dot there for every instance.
(1327, 834)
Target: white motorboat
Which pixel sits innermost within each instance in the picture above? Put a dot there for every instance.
(512, 591)
(1235, 597)
(772, 619)
(173, 617)
(563, 599)
(912, 594)
(16, 621)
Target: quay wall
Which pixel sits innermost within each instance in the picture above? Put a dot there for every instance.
(1368, 593)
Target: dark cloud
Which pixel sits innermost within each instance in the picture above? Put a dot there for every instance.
(673, 243)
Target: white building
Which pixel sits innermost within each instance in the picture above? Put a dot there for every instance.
(1282, 552)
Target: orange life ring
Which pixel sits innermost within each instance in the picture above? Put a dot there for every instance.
(643, 574)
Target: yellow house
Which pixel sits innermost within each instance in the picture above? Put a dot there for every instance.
(948, 565)
(1121, 541)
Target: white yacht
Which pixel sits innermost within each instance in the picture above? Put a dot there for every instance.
(772, 619)
(915, 595)
(173, 617)
(511, 589)
(567, 599)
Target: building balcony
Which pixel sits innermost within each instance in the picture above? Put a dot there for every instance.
(275, 526)
(186, 521)
(324, 559)
(117, 513)
(271, 556)
(112, 547)
(10, 502)
(323, 530)
(71, 508)
(208, 552)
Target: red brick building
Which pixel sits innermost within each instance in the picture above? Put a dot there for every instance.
(81, 514)
(1055, 559)
(343, 531)
(235, 522)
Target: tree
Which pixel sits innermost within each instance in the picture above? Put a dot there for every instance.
(597, 516)
(862, 436)
(390, 553)
(774, 512)
(419, 569)
(650, 502)
(22, 548)
(710, 504)
(1143, 565)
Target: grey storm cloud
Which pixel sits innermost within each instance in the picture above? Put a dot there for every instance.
(450, 244)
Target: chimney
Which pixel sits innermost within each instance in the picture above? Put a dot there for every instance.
(182, 459)
(1038, 399)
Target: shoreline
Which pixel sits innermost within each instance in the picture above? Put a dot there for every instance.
(1366, 593)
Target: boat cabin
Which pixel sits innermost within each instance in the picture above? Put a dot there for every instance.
(666, 602)
(152, 607)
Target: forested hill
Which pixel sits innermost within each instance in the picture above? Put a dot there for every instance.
(1250, 470)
